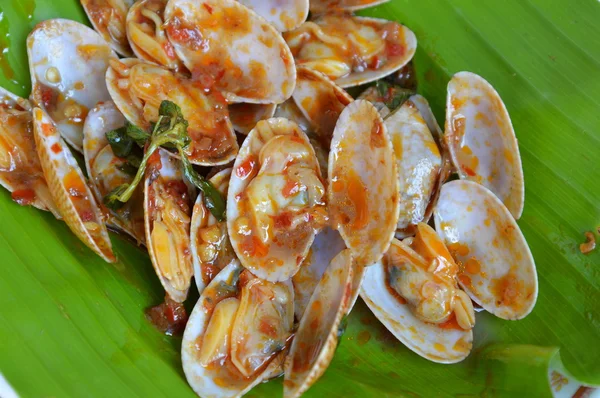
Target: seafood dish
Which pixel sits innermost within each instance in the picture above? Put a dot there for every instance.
(220, 137)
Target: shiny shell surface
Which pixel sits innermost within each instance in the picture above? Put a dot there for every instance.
(443, 343)
(67, 62)
(245, 116)
(482, 141)
(419, 164)
(69, 189)
(316, 339)
(233, 49)
(284, 15)
(167, 217)
(363, 182)
(108, 19)
(336, 43)
(498, 269)
(348, 5)
(106, 171)
(275, 202)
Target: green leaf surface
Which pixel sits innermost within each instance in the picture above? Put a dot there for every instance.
(71, 325)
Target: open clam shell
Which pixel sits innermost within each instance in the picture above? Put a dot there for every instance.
(67, 62)
(69, 189)
(147, 36)
(106, 171)
(318, 6)
(108, 19)
(138, 87)
(321, 101)
(498, 270)
(328, 243)
(443, 343)
(275, 202)
(245, 116)
(167, 217)
(289, 110)
(284, 15)
(363, 182)
(211, 249)
(217, 360)
(419, 165)
(482, 141)
(334, 43)
(20, 169)
(228, 44)
(316, 339)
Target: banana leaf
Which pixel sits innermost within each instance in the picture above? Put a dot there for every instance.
(71, 325)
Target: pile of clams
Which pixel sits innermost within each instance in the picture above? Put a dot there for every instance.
(327, 197)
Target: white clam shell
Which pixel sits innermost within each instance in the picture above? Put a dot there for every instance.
(316, 339)
(428, 340)
(217, 382)
(69, 189)
(108, 19)
(283, 257)
(419, 164)
(245, 116)
(349, 5)
(363, 189)
(67, 62)
(284, 15)
(249, 60)
(500, 273)
(482, 141)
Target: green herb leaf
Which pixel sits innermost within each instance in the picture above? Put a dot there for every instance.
(137, 134)
(112, 200)
(120, 142)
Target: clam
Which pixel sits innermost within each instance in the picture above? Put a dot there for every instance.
(316, 339)
(497, 268)
(363, 182)
(211, 249)
(349, 5)
(419, 165)
(237, 333)
(167, 216)
(147, 36)
(352, 50)
(67, 62)
(482, 141)
(284, 15)
(244, 116)
(20, 170)
(275, 203)
(413, 291)
(108, 18)
(68, 187)
(138, 87)
(231, 49)
(106, 171)
(289, 110)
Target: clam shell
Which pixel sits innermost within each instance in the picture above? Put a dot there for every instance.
(218, 381)
(437, 344)
(158, 179)
(319, 44)
(213, 141)
(348, 5)
(68, 187)
(482, 141)
(289, 110)
(20, 170)
(279, 259)
(102, 119)
(363, 182)
(419, 165)
(284, 15)
(202, 218)
(500, 273)
(108, 19)
(147, 36)
(245, 116)
(328, 243)
(321, 101)
(246, 59)
(67, 62)
(316, 339)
